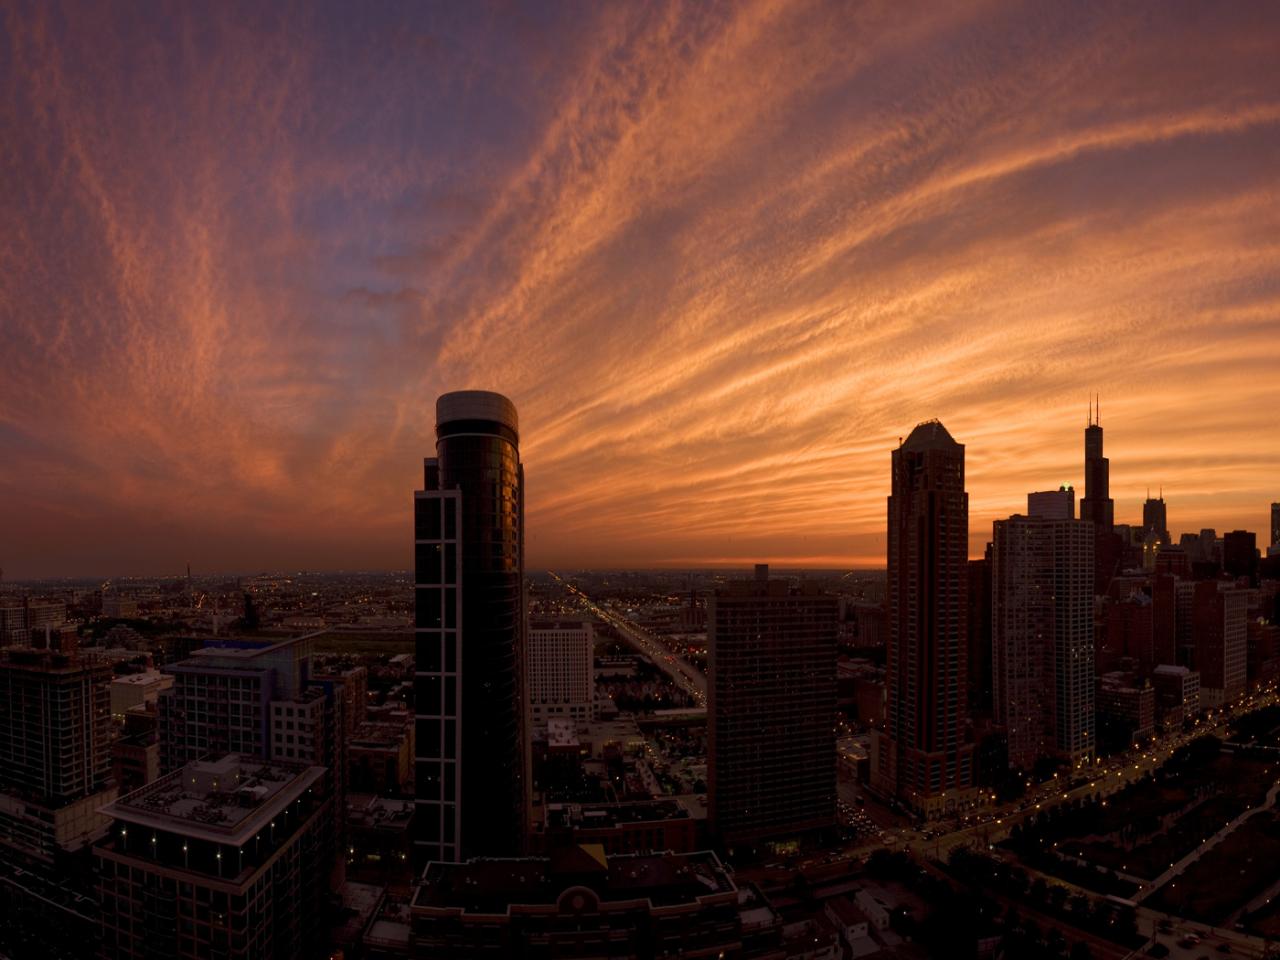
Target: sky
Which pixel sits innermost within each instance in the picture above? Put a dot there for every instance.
(721, 256)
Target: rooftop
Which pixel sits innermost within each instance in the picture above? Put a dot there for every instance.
(225, 801)
(493, 886)
(931, 435)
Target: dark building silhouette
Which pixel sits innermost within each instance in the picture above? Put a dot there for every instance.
(1240, 554)
(979, 634)
(469, 618)
(1155, 519)
(1097, 506)
(923, 756)
(771, 701)
(1275, 525)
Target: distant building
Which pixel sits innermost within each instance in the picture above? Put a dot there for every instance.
(118, 607)
(1042, 630)
(1177, 691)
(640, 826)
(1057, 504)
(771, 701)
(1155, 519)
(1126, 708)
(1220, 633)
(1097, 506)
(19, 622)
(1240, 554)
(579, 902)
(923, 756)
(979, 657)
(560, 671)
(1275, 524)
(473, 760)
(225, 858)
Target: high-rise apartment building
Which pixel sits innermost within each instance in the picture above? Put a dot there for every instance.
(55, 751)
(223, 858)
(771, 701)
(1275, 525)
(561, 670)
(472, 776)
(923, 756)
(257, 698)
(244, 696)
(1042, 637)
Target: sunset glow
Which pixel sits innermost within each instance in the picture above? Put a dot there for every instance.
(720, 256)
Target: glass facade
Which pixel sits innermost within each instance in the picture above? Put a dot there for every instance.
(469, 615)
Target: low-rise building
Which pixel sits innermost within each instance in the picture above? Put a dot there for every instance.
(580, 902)
(134, 689)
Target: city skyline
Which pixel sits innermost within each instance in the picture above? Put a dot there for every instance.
(721, 259)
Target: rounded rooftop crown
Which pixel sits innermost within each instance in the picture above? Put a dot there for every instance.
(476, 405)
(930, 435)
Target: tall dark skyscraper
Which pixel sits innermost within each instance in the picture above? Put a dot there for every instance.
(1097, 504)
(922, 756)
(771, 702)
(1275, 525)
(1155, 518)
(469, 618)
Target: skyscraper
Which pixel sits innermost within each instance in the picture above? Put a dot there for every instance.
(922, 756)
(1155, 519)
(560, 669)
(1275, 525)
(1042, 636)
(771, 701)
(1097, 504)
(470, 628)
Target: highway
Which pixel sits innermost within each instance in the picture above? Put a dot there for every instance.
(686, 676)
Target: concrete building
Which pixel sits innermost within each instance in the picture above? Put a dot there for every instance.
(979, 654)
(1220, 635)
(256, 698)
(771, 701)
(1042, 636)
(561, 672)
(924, 756)
(134, 689)
(225, 858)
(473, 760)
(581, 903)
(55, 752)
